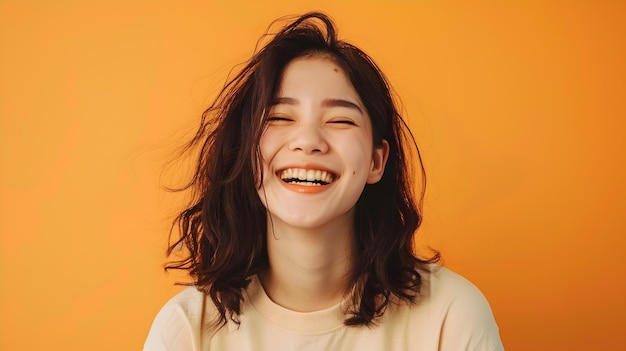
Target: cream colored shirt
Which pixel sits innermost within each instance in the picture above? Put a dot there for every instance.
(451, 314)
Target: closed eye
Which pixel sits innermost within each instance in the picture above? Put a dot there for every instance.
(279, 119)
(347, 122)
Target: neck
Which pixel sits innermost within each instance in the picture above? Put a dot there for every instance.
(309, 268)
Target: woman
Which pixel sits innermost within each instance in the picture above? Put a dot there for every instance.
(300, 233)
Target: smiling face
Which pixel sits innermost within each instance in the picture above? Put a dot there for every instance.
(317, 148)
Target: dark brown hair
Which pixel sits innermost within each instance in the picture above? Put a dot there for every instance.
(224, 228)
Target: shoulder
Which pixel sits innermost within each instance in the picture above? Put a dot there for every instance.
(177, 325)
(447, 286)
(465, 317)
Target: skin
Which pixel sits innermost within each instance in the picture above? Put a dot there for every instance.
(318, 122)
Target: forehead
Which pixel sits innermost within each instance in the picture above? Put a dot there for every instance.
(316, 75)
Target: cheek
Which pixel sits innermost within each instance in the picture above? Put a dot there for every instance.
(358, 156)
(268, 147)
(364, 147)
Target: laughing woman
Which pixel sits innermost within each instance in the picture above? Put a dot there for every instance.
(301, 232)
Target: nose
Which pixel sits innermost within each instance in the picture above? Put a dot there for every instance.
(308, 139)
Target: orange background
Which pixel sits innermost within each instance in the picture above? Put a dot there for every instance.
(519, 109)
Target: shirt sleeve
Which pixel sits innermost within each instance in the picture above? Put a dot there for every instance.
(469, 323)
(170, 331)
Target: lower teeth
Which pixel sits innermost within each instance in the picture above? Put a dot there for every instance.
(306, 183)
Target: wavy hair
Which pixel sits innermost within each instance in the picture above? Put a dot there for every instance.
(224, 228)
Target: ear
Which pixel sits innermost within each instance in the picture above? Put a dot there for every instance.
(379, 160)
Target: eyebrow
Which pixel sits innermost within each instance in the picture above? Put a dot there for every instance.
(325, 103)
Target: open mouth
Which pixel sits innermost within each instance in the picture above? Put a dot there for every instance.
(306, 177)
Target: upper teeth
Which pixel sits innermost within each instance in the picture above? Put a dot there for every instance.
(309, 175)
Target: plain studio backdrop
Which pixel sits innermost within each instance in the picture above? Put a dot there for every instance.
(518, 107)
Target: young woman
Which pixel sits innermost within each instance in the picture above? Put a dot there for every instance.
(300, 232)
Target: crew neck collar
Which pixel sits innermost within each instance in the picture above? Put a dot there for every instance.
(316, 322)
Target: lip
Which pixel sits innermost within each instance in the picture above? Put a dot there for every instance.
(307, 189)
